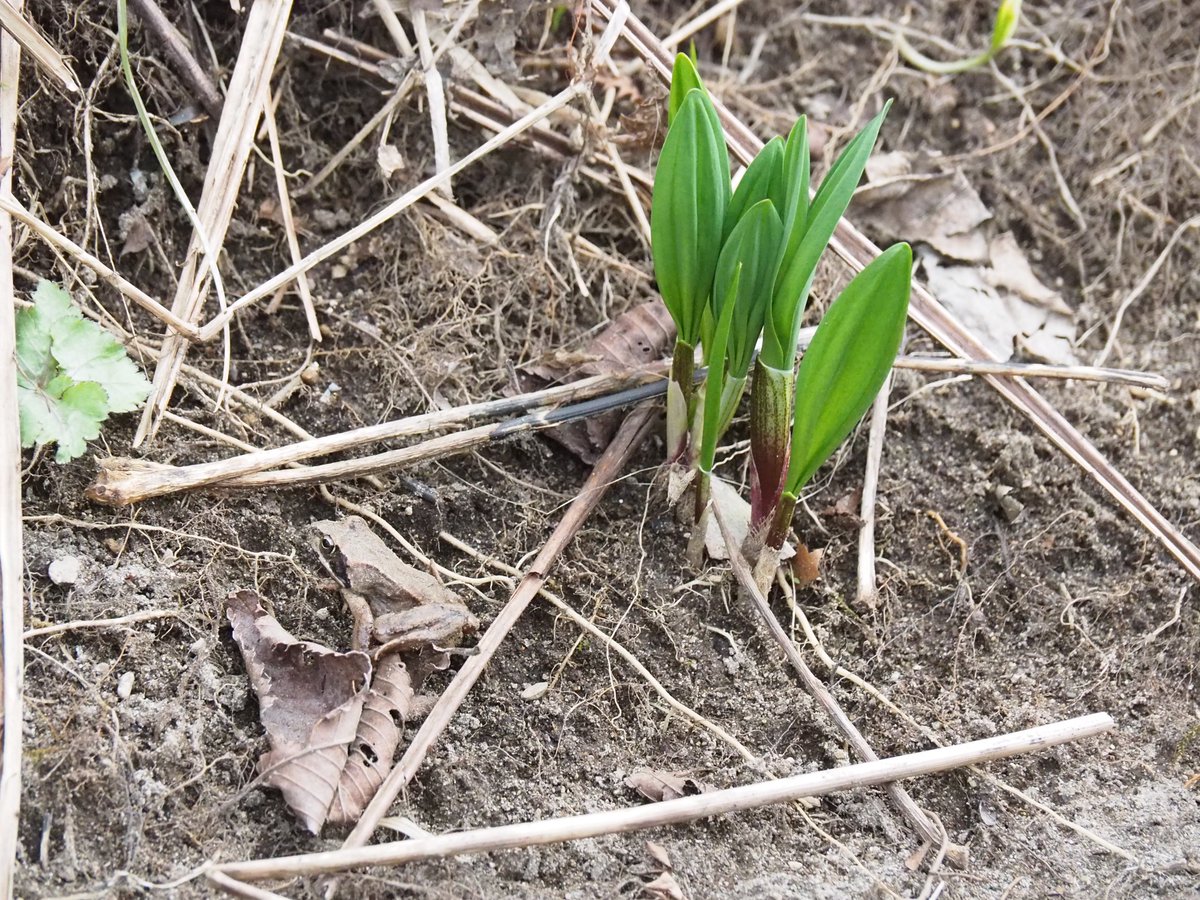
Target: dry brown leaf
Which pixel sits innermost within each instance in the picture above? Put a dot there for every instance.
(664, 887)
(635, 338)
(656, 785)
(659, 854)
(806, 565)
(846, 507)
(390, 702)
(310, 700)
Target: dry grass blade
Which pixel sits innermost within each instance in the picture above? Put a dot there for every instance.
(247, 98)
(12, 594)
(397, 206)
(673, 812)
(32, 41)
(924, 309)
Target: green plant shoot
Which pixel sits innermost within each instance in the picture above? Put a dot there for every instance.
(843, 368)
(807, 230)
(1008, 16)
(691, 194)
(71, 374)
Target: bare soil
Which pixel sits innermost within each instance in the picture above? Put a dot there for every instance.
(1067, 608)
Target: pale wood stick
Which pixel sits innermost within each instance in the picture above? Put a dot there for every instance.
(924, 309)
(700, 22)
(921, 823)
(674, 812)
(157, 482)
(119, 622)
(606, 470)
(236, 888)
(12, 588)
(289, 224)
(979, 367)
(391, 210)
(435, 92)
(867, 590)
(247, 98)
(391, 22)
(35, 44)
(10, 206)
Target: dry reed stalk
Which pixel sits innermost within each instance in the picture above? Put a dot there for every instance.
(249, 86)
(674, 812)
(12, 593)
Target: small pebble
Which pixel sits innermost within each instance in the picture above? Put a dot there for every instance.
(125, 685)
(534, 691)
(65, 570)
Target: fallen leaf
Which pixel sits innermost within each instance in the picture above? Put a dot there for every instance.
(735, 512)
(390, 159)
(635, 338)
(310, 700)
(846, 507)
(907, 198)
(806, 565)
(659, 854)
(665, 887)
(656, 786)
(138, 235)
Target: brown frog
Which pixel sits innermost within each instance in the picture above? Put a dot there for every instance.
(402, 608)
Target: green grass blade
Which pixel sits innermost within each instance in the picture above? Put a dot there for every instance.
(796, 273)
(847, 361)
(762, 180)
(691, 194)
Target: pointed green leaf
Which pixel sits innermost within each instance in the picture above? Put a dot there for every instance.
(751, 250)
(1008, 16)
(684, 78)
(796, 272)
(691, 194)
(847, 361)
(762, 180)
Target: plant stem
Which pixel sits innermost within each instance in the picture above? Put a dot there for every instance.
(781, 522)
(679, 400)
(770, 440)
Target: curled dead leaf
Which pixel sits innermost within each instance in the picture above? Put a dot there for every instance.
(657, 785)
(635, 338)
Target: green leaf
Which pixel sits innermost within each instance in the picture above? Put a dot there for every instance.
(762, 180)
(714, 382)
(751, 250)
(849, 357)
(684, 78)
(796, 272)
(70, 374)
(86, 352)
(796, 174)
(69, 417)
(691, 194)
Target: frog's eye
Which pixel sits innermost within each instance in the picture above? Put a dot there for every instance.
(327, 542)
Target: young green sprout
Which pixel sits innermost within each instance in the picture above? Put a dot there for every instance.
(1008, 16)
(691, 193)
(807, 230)
(841, 372)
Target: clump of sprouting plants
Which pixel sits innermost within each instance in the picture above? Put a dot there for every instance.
(735, 268)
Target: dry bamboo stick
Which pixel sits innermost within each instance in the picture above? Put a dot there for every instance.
(12, 593)
(247, 98)
(35, 44)
(674, 812)
(924, 309)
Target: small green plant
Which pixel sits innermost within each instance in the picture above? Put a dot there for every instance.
(734, 266)
(1008, 16)
(71, 375)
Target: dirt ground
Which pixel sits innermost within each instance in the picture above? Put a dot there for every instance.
(1065, 609)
